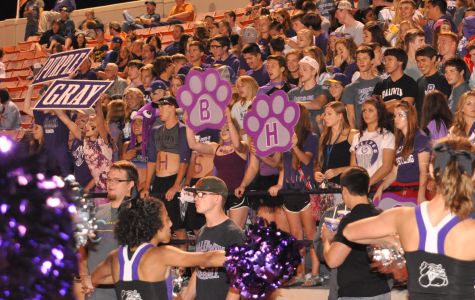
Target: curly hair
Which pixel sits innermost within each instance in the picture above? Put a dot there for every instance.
(384, 120)
(139, 220)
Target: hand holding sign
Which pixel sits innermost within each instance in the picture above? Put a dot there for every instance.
(204, 98)
(271, 123)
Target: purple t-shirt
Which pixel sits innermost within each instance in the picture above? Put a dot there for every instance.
(408, 169)
(435, 133)
(260, 75)
(56, 136)
(81, 170)
(171, 140)
(294, 179)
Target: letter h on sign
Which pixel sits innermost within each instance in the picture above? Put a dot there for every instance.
(271, 133)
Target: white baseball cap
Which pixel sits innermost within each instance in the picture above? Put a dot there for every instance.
(310, 61)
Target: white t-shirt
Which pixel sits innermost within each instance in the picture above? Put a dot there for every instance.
(369, 149)
(238, 111)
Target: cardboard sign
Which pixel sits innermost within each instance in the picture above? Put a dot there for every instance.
(271, 123)
(72, 94)
(61, 65)
(204, 97)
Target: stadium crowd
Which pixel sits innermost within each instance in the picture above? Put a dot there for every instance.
(378, 84)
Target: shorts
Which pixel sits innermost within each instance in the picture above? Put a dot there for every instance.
(234, 202)
(297, 202)
(263, 183)
(193, 220)
(159, 189)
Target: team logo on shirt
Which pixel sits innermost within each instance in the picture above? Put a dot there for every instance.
(432, 275)
(130, 295)
(368, 152)
(364, 94)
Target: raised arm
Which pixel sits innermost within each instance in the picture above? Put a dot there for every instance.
(76, 132)
(197, 146)
(100, 122)
(238, 144)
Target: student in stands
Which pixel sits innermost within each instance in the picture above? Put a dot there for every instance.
(164, 68)
(356, 93)
(431, 79)
(253, 56)
(344, 60)
(455, 72)
(398, 86)
(246, 87)
(9, 113)
(174, 47)
(464, 117)
(373, 148)
(118, 84)
(220, 54)
(277, 71)
(349, 24)
(436, 116)
(412, 160)
(196, 52)
(292, 59)
(296, 175)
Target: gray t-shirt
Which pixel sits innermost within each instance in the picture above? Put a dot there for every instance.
(9, 116)
(356, 31)
(299, 94)
(357, 93)
(455, 95)
(97, 252)
(212, 283)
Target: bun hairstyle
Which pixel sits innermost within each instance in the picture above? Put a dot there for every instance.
(139, 220)
(453, 168)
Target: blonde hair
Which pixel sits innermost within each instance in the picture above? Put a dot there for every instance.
(456, 187)
(251, 85)
(308, 34)
(460, 126)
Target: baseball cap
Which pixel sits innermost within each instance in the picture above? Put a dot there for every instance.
(344, 5)
(210, 184)
(310, 61)
(338, 78)
(117, 40)
(168, 100)
(158, 84)
(151, 2)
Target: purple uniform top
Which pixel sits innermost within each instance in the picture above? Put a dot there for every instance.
(266, 170)
(296, 179)
(408, 169)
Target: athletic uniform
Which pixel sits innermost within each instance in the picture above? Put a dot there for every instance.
(129, 286)
(432, 274)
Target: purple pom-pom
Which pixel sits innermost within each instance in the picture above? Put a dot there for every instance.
(268, 258)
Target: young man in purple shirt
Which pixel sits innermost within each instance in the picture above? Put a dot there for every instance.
(276, 70)
(219, 47)
(196, 51)
(253, 56)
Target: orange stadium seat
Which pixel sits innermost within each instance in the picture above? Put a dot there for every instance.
(11, 83)
(201, 16)
(219, 14)
(240, 11)
(26, 55)
(160, 30)
(10, 49)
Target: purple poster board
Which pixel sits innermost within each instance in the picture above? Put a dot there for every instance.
(271, 123)
(72, 94)
(204, 97)
(61, 65)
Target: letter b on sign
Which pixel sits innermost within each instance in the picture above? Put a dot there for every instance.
(204, 112)
(271, 134)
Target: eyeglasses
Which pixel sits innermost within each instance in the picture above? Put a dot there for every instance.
(116, 180)
(202, 194)
(215, 46)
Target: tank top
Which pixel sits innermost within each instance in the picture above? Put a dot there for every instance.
(266, 170)
(432, 274)
(336, 156)
(230, 168)
(129, 285)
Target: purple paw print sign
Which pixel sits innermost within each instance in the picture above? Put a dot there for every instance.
(204, 97)
(271, 123)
